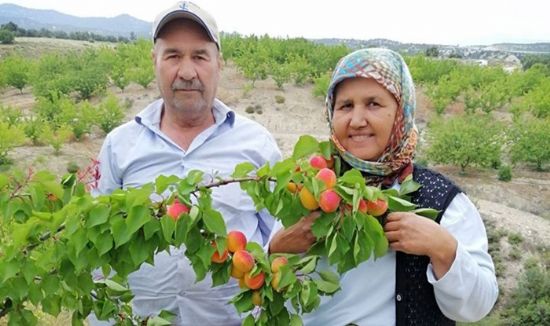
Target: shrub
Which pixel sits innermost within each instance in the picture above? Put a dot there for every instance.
(109, 114)
(530, 302)
(279, 99)
(321, 85)
(505, 173)
(464, 141)
(6, 37)
(56, 137)
(530, 143)
(10, 137)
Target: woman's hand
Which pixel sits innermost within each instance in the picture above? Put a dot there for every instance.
(296, 239)
(417, 235)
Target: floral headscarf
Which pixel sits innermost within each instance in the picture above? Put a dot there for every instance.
(390, 70)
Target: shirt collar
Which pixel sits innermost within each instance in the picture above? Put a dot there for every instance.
(150, 116)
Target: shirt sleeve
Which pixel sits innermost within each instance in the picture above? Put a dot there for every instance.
(109, 178)
(468, 291)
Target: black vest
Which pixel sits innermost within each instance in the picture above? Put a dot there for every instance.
(414, 296)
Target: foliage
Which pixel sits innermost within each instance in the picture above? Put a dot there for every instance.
(56, 136)
(465, 141)
(505, 173)
(531, 141)
(321, 84)
(6, 36)
(10, 137)
(530, 303)
(432, 52)
(109, 114)
(16, 70)
(11, 115)
(56, 234)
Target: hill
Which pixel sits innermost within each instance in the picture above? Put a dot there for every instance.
(27, 18)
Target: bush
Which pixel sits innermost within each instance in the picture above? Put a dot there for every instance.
(464, 141)
(530, 143)
(10, 137)
(109, 114)
(530, 302)
(279, 99)
(6, 37)
(505, 173)
(321, 85)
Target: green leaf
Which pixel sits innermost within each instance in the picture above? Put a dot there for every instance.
(427, 212)
(295, 320)
(163, 182)
(263, 171)
(409, 186)
(214, 222)
(322, 225)
(326, 287)
(352, 177)
(309, 265)
(137, 217)
(330, 276)
(305, 146)
(249, 320)
(104, 243)
(9, 270)
(242, 169)
(283, 167)
(139, 251)
(119, 231)
(151, 228)
(397, 204)
(325, 148)
(114, 286)
(194, 177)
(168, 225)
(158, 321)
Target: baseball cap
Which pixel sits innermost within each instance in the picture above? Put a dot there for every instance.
(187, 10)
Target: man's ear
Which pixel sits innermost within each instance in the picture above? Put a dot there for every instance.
(153, 55)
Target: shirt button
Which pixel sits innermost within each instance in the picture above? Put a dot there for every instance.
(398, 297)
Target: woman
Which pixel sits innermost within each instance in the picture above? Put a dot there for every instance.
(436, 272)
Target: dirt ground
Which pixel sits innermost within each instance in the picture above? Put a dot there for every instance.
(521, 206)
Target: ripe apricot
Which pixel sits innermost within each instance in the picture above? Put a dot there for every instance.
(236, 273)
(318, 162)
(362, 206)
(176, 209)
(276, 281)
(236, 240)
(216, 257)
(243, 261)
(377, 208)
(328, 177)
(257, 298)
(277, 263)
(329, 201)
(254, 282)
(308, 200)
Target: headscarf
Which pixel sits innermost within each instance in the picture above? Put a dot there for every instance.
(390, 70)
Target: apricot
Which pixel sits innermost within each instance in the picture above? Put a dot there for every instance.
(277, 263)
(254, 282)
(377, 208)
(318, 162)
(236, 240)
(308, 200)
(257, 298)
(236, 273)
(328, 177)
(243, 261)
(292, 187)
(241, 283)
(216, 257)
(176, 209)
(329, 201)
(363, 206)
(276, 281)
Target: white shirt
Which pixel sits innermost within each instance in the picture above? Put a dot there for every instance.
(137, 153)
(467, 292)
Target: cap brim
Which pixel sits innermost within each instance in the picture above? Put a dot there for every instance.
(180, 14)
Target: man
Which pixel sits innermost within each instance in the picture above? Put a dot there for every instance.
(187, 129)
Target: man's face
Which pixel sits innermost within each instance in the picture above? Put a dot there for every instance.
(187, 68)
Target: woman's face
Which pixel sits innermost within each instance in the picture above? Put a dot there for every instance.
(364, 112)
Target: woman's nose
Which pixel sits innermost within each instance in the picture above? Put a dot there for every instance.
(358, 118)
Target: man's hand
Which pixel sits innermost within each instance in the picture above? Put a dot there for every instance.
(296, 239)
(417, 235)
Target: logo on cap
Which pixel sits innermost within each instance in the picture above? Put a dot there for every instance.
(183, 5)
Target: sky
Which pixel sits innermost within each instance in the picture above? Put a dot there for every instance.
(453, 22)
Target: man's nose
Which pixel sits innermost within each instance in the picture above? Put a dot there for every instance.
(187, 70)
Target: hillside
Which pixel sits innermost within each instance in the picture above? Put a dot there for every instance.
(27, 18)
